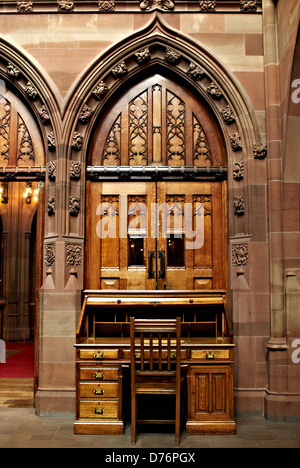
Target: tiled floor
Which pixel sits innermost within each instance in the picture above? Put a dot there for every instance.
(21, 428)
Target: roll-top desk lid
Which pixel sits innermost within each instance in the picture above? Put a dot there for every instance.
(163, 302)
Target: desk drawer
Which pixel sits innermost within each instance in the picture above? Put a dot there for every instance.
(126, 355)
(98, 373)
(210, 354)
(98, 409)
(98, 390)
(98, 354)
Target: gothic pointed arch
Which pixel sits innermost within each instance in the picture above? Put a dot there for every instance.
(21, 76)
(157, 45)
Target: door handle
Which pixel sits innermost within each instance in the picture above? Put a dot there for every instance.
(162, 258)
(151, 273)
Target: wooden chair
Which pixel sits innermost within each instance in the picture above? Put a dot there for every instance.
(155, 366)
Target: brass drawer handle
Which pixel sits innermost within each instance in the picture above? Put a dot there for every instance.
(210, 355)
(99, 391)
(138, 355)
(99, 375)
(98, 410)
(98, 355)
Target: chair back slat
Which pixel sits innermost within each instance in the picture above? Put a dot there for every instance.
(156, 344)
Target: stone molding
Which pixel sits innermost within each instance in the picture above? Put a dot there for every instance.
(131, 6)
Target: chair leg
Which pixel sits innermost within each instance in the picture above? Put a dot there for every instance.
(177, 421)
(133, 421)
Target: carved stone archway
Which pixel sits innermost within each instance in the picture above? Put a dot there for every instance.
(158, 46)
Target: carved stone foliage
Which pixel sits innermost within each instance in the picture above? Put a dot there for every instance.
(73, 255)
(85, 114)
(120, 69)
(49, 255)
(195, 72)
(77, 141)
(75, 170)
(74, 206)
(106, 5)
(238, 170)
(51, 206)
(12, 71)
(239, 206)
(208, 6)
(235, 141)
(143, 55)
(228, 116)
(172, 56)
(260, 151)
(51, 141)
(160, 4)
(214, 91)
(31, 91)
(100, 90)
(248, 6)
(65, 6)
(44, 114)
(52, 170)
(25, 7)
(240, 255)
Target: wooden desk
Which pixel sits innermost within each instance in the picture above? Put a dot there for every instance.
(103, 358)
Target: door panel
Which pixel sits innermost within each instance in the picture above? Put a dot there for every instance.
(119, 250)
(191, 234)
(164, 235)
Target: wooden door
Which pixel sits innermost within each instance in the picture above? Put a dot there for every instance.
(191, 249)
(166, 234)
(121, 253)
(156, 235)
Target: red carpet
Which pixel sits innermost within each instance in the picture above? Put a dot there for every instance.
(19, 361)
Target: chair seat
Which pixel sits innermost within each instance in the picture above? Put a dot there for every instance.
(160, 388)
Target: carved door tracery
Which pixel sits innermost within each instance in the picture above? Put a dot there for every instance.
(157, 123)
